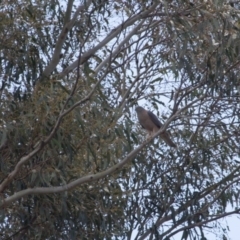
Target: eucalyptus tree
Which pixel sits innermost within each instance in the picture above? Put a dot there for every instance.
(74, 161)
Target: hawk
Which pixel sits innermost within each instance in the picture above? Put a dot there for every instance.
(151, 123)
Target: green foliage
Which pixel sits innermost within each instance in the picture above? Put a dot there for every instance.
(71, 76)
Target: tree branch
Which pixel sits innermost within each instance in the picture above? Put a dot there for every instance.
(204, 222)
(87, 178)
(68, 26)
(107, 39)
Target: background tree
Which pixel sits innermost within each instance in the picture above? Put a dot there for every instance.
(74, 161)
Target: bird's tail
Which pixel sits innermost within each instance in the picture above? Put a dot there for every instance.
(167, 139)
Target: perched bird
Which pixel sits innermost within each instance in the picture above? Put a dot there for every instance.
(150, 122)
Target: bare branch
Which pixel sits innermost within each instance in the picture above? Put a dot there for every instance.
(68, 26)
(113, 34)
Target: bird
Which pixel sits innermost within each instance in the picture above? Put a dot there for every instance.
(151, 123)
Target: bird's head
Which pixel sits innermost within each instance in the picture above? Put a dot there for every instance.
(139, 109)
